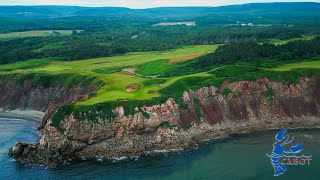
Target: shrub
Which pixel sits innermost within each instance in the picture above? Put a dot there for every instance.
(154, 82)
(226, 92)
(269, 94)
(166, 124)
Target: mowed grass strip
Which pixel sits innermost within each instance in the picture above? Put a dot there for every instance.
(190, 57)
(37, 33)
(299, 65)
(30, 64)
(115, 82)
(154, 67)
(130, 59)
(109, 70)
(280, 42)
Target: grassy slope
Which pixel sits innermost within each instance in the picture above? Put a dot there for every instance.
(300, 65)
(116, 82)
(24, 65)
(154, 67)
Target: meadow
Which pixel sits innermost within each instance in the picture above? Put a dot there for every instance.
(188, 23)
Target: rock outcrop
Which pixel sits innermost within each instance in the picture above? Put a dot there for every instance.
(37, 102)
(29, 97)
(207, 113)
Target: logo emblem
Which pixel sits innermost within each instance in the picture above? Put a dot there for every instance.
(283, 156)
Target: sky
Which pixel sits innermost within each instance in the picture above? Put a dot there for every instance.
(139, 3)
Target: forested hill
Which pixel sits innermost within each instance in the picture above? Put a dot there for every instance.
(245, 9)
(76, 33)
(261, 55)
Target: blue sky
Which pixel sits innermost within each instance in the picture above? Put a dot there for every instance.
(139, 3)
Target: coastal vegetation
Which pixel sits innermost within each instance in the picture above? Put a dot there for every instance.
(121, 88)
(134, 63)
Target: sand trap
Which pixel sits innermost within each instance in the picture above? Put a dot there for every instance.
(153, 92)
(133, 87)
(102, 63)
(184, 58)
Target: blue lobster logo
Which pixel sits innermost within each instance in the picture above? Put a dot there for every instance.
(279, 152)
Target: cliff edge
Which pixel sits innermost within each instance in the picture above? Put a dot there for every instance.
(206, 113)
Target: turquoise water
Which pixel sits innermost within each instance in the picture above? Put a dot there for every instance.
(241, 157)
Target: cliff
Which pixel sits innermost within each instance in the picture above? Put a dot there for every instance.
(40, 99)
(207, 113)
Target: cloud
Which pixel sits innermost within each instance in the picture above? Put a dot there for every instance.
(137, 3)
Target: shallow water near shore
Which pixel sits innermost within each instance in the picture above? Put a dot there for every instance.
(239, 157)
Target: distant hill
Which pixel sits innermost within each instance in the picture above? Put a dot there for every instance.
(67, 11)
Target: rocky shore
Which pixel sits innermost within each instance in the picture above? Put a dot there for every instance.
(208, 113)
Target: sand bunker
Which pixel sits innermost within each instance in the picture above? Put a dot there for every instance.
(153, 92)
(133, 87)
(101, 63)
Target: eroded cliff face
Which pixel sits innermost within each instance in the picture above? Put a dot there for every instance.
(208, 113)
(27, 96)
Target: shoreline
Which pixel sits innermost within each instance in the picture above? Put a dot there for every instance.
(22, 114)
(215, 134)
(287, 123)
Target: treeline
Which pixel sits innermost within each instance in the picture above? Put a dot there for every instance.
(132, 38)
(252, 53)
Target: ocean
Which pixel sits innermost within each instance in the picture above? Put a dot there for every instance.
(237, 157)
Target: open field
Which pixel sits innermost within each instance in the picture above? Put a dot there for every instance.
(187, 23)
(38, 33)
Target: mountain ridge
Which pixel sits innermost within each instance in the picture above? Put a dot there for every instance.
(63, 11)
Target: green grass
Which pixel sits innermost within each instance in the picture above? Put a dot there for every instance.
(279, 41)
(166, 124)
(49, 80)
(270, 93)
(112, 92)
(226, 92)
(154, 67)
(154, 82)
(299, 65)
(108, 70)
(30, 64)
(240, 72)
(38, 33)
(48, 47)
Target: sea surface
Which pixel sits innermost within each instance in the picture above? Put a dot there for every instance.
(238, 157)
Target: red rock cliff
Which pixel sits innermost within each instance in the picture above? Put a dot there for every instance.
(208, 113)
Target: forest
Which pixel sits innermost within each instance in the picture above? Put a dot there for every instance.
(113, 31)
(134, 62)
(261, 55)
